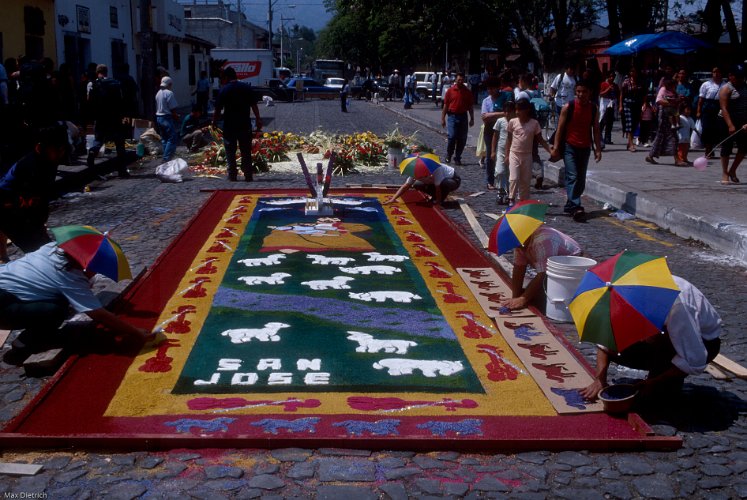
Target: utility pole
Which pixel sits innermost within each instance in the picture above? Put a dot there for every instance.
(269, 25)
(147, 60)
(238, 24)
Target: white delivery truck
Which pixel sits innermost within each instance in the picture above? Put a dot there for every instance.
(251, 65)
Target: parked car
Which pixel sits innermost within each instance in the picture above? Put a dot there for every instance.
(334, 83)
(423, 82)
(312, 88)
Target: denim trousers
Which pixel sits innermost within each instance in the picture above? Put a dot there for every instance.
(169, 135)
(576, 162)
(243, 140)
(457, 126)
(489, 162)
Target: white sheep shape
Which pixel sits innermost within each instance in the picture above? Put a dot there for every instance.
(270, 260)
(273, 279)
(430, 368)
(366, 343)
(382, 296)
(266, 334)
(337, 283)
(371, 269)
(326, 261)
(378, 257)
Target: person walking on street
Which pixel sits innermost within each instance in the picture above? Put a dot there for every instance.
(631, 101)
(434, 86)
(563, 87)
(578, 127)
(458, 103)
(708, 108)
(166, 117)
(490, 112)
(665, 141)
(344, 93)
(236, 101)
(733, 102)
(107, 104)
(609, 95)
(523, 132)
(202, 92)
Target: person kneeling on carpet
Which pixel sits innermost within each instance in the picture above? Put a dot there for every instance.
(544, 242)
(36, 293)
(437, 185)
(691, 340)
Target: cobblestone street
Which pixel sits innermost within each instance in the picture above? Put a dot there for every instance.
(145, 215)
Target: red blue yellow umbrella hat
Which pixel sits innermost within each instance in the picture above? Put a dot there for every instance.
(420, 165)
(93, 250)
(516, 226)
(623, 300)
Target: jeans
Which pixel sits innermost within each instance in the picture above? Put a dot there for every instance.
(457, 126)
(489, 162)
(169, 135)
(447, 186)
(42, 315)
(608, 121)
(242, 139)
(576, 162)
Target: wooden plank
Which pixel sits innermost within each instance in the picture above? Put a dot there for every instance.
(734, 367)
(716, 373)
(476, 227)
(19, 469)
(477, 194)
(555, 370)
(4, 336)
(492, 216)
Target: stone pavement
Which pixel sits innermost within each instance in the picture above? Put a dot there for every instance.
(689, 203)
(147, 215)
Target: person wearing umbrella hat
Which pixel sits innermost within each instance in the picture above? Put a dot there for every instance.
(691, 339)
(436, 184)
(36, 294)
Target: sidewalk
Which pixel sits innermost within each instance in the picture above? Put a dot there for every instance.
(688, 203)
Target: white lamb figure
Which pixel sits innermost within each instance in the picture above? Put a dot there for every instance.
(377, 257)
(326, 261)
(273, 279)
(371, 269)
(430, 368)
(270, 260)
(337, 283)
(267, 334)
(366, 343)
(405, 297)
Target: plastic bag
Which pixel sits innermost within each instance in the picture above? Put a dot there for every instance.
(480, 146)
(695, 141)
(152, 142)
(172, 171)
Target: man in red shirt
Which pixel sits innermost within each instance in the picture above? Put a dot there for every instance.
(578, 126)
(458, 102)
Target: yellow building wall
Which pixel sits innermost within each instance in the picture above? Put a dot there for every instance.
(13, 29)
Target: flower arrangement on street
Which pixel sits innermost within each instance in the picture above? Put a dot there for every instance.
(352, 151)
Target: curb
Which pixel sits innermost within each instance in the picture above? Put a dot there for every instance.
(724, 236)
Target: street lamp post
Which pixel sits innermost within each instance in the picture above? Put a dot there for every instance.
(282, 29)
(298, 60)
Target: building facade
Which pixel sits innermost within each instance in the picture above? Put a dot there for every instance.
(27, 28)
(225, 27)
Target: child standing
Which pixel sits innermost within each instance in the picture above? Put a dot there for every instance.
(522, 132)
(648, 112)
(685, 130)
(498, 151)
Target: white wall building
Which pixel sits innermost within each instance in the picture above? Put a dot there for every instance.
(98, 31)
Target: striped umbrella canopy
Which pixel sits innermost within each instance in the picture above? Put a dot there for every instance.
(516, 226)
(420, 165)
(93, 250)
(623, 300)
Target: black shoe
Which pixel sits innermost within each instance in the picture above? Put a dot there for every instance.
(538, 183)
(233, 176)
(579, 214)
(248, 178)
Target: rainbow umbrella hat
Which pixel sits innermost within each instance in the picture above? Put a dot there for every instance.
(516, 226)
(93, 250)
(420, 165)
(623, 300)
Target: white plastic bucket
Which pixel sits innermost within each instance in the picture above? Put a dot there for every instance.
(564, 274)
(394, 157)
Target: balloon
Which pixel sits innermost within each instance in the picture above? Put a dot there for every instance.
(700, 163)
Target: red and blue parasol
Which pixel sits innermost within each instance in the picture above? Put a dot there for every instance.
(93, 250)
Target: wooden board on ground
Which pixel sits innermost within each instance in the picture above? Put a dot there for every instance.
(477, 193)
(476, 227)
(716, 372)
(732, 366)
(492, 216)
(555, 370)
(19, 469)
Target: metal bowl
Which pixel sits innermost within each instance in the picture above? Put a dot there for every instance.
(618, 398)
